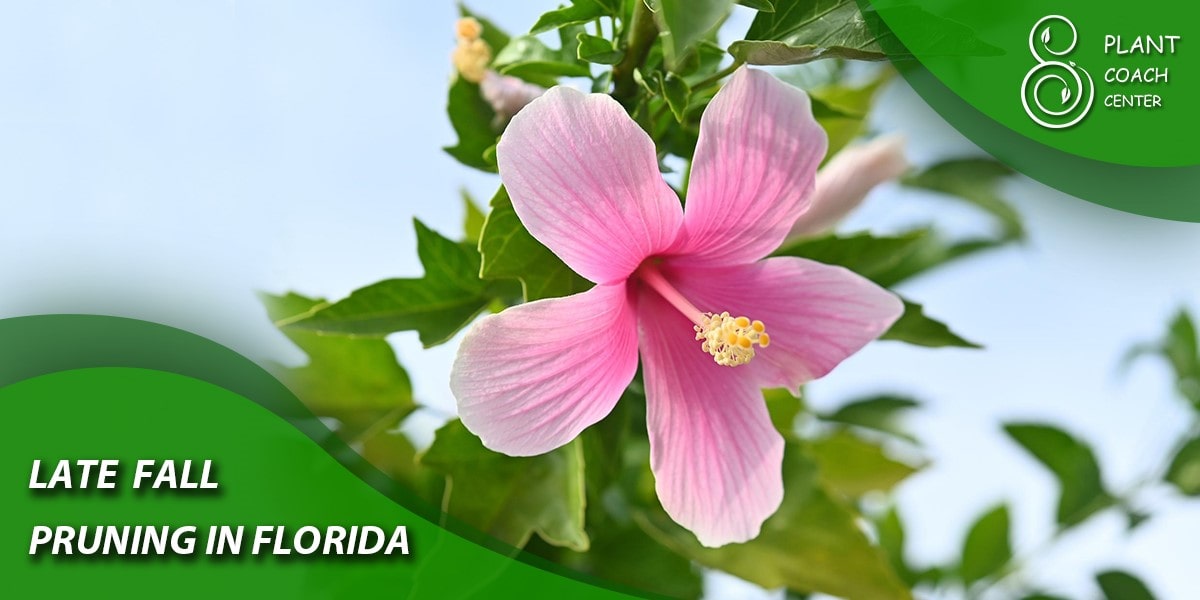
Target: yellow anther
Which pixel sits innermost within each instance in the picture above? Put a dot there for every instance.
(731, 340)
(468, 28)
(471, 58)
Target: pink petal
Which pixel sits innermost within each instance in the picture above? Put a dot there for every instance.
(584, 180)
(529, 379)
(847, 179)
(816, 315)
(716, 458)
(754, 168)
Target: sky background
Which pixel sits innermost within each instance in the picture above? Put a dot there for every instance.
(167, 159)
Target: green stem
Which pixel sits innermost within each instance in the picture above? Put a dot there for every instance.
(642, 33)
(719, 75)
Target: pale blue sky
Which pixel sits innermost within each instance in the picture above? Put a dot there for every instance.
(164, 159)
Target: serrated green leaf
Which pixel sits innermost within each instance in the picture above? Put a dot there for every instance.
(598, 50)
(579, 11)
(879, 413)
(473, 218)
(436, 306)
(987, 548)
(1073, 464)
(1184, 472)
(472, 119)
(852, 466)
(974, 180)
(811, 544)
(759, 5)
(919, 329)
(509, 252)
(530, 59)
(684, 23)
(511, 498)
(1119, 585)
(800, 31)
(344, 378)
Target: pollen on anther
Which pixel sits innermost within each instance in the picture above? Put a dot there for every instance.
(731, 340)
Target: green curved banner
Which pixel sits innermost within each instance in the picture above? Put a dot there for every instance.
(208, 477)
(1094, 99)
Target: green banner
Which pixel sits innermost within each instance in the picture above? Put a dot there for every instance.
(1094, 99)
(152, 462)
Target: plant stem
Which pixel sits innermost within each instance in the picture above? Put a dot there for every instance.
(719, 75)
(642, 33)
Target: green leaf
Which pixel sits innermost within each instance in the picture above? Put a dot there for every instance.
(579, 11)
(530, 59)
(509, 252)
(852, 466)
(627, 555)
(684, 23)
(879, 413)
(598, 50)
(878, 258)
(974, 180)
(436, 306)
(344, 378)
(1119, 585)
(473, 218)
(811, 544)
(511, 498)
(1072, 463)
(1180, 349)
(801, 31)
(889, 529)
(1184, 472)
(472, 119)
(759, 5)
(784, 407)
(676, 92)
(988, 546)
(915, 327)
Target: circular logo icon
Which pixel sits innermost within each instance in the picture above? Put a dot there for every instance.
(1061, 104)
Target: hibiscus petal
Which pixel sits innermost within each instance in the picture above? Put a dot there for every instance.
(844, 182)
(529, 379)
(754, 168)
(717, 460)
(817, 315)
(584, 180)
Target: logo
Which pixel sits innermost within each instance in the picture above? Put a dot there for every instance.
(1067, 106)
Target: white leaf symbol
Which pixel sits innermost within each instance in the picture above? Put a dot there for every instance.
(1066, 95)
(1046, 35)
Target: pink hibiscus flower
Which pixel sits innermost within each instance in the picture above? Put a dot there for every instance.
(690, 289)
